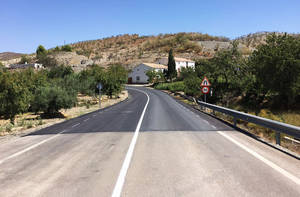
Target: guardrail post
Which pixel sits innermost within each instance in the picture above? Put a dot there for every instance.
(234, 121)
(278, 138)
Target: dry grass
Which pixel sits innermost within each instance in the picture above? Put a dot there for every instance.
(265, 133)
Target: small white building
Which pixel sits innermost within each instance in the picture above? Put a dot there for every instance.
(24, 66)
(180, 62)
(138, 74)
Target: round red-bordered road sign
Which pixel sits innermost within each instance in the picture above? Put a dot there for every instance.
(205, 90)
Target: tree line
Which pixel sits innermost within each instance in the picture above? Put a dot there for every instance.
(54, 88)
(269, 77)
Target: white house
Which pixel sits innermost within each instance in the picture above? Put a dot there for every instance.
(138, 74)
(23, 66)
(180, 62)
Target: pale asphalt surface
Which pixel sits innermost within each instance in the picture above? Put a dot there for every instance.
(179, 152)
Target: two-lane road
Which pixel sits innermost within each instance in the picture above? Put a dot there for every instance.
(178, 152)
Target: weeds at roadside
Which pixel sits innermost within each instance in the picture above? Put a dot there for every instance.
(9, 127)
(29, 125)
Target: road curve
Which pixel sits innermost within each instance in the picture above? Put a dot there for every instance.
(179, 152)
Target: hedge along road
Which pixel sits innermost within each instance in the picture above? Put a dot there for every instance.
(178, 152)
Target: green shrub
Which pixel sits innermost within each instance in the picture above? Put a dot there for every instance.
(192, 86)
(66, 48)
(50, 99)
(277, 69)
(14, 95)
(173, 87)
(60, 71)
(41, 51)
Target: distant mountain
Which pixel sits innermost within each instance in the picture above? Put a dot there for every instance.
(9, 55)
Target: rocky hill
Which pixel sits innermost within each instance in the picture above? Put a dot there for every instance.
(130, 50)
(8, 58)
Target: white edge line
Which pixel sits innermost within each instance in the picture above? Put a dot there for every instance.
(266, 161)
(86, 119)
(30, 147)
(121, 179)
(75, 125)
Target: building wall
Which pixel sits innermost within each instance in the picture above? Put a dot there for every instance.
(179, 64)
(163, 61)
(140, 72)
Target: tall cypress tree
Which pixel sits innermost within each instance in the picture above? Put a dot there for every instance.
(171, 66)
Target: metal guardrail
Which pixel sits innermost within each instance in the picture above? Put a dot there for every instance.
(279, 127)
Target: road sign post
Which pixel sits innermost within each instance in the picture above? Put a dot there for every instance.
(99, 86)
(205, 90)
(205, 87)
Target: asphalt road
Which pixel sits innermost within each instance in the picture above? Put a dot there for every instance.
(173, 151)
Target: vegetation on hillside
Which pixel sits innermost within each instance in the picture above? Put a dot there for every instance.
(131, 48)
(268, 78)
(54, 88)
(266, 84)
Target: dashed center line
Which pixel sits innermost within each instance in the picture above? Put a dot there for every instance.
(86, 119)
(31, 147)
(75, 125)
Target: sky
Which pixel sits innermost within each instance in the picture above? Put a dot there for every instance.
(25, 24)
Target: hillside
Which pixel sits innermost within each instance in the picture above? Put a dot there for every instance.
(133, 49)
(252, 40)
(9, 55)
(130, 50)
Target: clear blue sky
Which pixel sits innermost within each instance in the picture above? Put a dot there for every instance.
(27, 23)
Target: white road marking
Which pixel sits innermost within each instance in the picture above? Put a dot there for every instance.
(266, 161)
(205, 121)
(30, 147)
(75, 125)
(121, 179)
(86, 119)
(94, 115)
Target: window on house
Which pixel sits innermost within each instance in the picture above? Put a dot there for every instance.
(137, 78)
